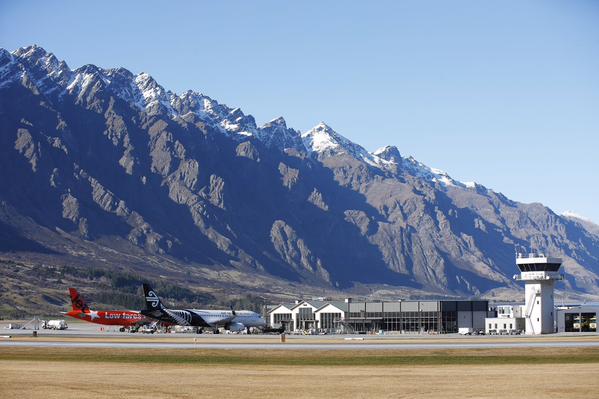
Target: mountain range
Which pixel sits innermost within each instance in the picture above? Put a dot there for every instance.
(106, 176)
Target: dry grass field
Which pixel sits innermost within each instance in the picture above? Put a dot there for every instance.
(486, 373)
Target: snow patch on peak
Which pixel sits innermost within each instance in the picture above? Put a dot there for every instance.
(381, 150)
(323, 140)
(439, 172)
(149, 88)
(571, 214)
(227, 120)
(276, 134)
(80, 80)
(42, 67)
(32, 52)
(153, 96)
(443, 177)
(389, 153)
(419, 169)
(143, 77)
(279, 122)
(41, 58)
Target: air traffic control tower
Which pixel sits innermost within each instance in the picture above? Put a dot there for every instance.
(539, 273)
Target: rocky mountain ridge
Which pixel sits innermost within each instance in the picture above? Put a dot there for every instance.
(96, 155)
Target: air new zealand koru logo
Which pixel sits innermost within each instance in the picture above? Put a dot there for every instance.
(152, 298)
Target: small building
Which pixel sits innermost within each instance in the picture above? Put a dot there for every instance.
(577, 318)
(509, 320)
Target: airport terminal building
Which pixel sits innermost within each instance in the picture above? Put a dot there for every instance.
(350, 316)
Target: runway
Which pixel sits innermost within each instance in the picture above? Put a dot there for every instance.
(86, 335)
(301, 347)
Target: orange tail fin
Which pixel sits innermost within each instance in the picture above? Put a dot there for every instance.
(77, 301)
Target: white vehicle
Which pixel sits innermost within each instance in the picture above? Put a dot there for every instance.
(55, 325)
(465, 331)
(183, 329)
(148, 329)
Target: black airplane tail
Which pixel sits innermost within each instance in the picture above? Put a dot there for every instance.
(152, 300)
(77, 301)
(156, 310)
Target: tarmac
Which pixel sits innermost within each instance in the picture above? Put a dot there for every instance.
(295, 346)
(87, 335)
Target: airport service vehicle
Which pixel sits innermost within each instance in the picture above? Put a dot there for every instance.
(214, 319)
(55, 325)
(465, 331)
(124, 318)
(183, 329)
(148, 329)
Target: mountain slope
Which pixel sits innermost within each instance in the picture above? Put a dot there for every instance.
(105, 157)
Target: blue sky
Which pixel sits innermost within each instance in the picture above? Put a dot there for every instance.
(503, 93)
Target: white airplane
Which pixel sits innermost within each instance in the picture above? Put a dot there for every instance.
(229, 319)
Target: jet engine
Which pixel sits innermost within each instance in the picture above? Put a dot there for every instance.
(235, 326)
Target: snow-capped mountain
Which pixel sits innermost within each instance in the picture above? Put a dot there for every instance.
(111, 159)
(54, 78)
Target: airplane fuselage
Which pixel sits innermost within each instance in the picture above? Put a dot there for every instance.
(222, 318)
(207, 318)
(124, 318)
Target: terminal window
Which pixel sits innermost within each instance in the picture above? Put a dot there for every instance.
(580, 322)
(282, 318)
(329, 321)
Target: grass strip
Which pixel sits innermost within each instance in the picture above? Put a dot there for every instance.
(301, 358)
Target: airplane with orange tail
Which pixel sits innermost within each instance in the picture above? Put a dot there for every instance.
(124, 318)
